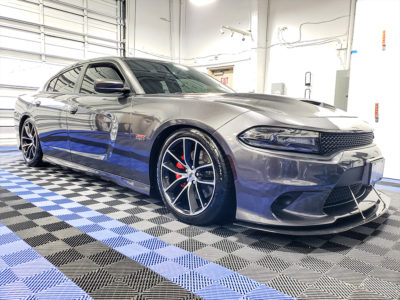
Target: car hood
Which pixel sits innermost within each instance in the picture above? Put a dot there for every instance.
(291, 112)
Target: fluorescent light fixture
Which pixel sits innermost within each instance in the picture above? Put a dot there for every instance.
(201, 2)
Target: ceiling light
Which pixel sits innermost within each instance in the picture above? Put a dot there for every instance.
(201, 2)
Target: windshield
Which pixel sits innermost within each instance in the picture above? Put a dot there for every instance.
(169, 78)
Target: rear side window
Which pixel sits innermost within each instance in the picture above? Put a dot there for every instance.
(98, 71)
(65, 82)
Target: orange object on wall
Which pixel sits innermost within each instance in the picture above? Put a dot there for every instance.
(376, 112)
(384, 40)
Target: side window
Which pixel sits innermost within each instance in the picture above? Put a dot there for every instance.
(98, 71)
(66, 81)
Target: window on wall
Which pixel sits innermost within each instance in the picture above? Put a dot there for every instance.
(98, 71)
(65, 82)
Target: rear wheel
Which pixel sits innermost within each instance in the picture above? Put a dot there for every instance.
(194, 179)
(30, 145)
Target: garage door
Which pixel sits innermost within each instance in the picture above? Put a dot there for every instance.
(39, 37)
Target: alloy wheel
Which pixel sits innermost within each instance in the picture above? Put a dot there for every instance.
(29, 141)
(188, 176)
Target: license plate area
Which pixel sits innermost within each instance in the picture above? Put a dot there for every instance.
(376, 168)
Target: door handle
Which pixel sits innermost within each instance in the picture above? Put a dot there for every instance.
(73, 109)
(37, 102)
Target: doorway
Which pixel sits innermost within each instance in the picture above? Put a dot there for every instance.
(222, 74)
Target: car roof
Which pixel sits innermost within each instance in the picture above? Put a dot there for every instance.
(111, 58)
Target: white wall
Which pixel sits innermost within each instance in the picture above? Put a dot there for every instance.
(204, 46)
(375, 75)
(148, 28)
(289, 65)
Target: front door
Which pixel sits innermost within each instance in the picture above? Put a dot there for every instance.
(99, 124)
(51, 110)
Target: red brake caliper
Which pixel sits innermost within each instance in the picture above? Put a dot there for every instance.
(181, 167)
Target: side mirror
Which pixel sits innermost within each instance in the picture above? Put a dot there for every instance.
(108, 86)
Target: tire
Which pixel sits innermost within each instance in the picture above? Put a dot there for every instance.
(30, 144)
(197, 188)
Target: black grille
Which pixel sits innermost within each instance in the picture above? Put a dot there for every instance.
(331, 142)
(342, 194)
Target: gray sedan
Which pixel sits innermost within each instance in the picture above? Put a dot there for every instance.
(268, 162)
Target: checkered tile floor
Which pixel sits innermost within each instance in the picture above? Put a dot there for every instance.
(363, 263)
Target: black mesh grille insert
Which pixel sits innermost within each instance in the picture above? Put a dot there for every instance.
(331, 142)
(342, 194)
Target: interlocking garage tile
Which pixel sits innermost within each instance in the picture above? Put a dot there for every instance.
(123, 268)
(359, 264)
(92, 248)
(210, 253)
(346, 275)
(227, 246)
(142, 280)
(258, 273)
(78, 268)
(64, 257)
(273, 263)
(107, 257)
(233, 262)
(40, 239)
(302, 274)
(315, 264)
(361, 294)
(166, 290)
(207, 238)
(381, 287)
(159, 231)
(288, 285)
(116, 290)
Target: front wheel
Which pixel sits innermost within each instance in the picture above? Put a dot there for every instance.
(30, 145)
(194, 178)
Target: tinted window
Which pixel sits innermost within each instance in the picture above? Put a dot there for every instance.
(66, 81)
(163, 78)
(94, 72)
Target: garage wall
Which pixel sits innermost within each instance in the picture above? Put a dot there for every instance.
(204, 45)
(289, 59)
(375, 75)
(39, 37)
(148, 28)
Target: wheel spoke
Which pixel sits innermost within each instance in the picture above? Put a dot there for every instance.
(174, 183)
(187, 151)
(173, 171)
(206, 182)
(193, 206)
(198, 194)
(177, 159)
(195, 158)
(180, 194)
(28, 130)
(28, 151)
(204, 166)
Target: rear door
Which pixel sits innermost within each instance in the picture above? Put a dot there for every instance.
(99, 124)
(51, 113)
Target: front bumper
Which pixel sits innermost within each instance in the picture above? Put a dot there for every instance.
(265, 179)
(345, 222)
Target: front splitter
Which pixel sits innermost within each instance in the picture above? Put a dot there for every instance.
(340, 225)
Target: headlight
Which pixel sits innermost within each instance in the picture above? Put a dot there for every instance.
(281, 139)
